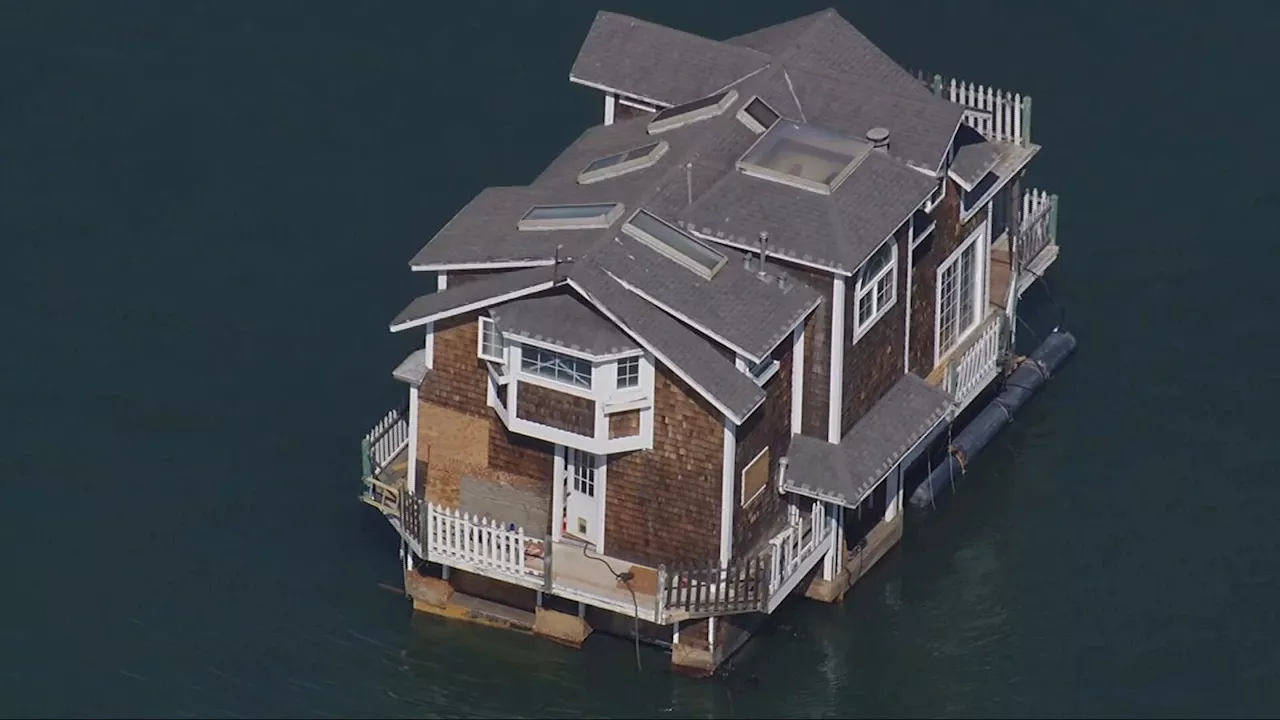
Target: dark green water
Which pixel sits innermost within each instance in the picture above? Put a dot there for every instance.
(206, 212)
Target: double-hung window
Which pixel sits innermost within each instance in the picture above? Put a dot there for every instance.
(876, 287)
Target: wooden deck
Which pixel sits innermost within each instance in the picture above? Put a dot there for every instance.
(587, 578)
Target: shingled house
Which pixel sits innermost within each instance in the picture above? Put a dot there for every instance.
(677, 377)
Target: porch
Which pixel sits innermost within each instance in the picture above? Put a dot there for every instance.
(1034, 246)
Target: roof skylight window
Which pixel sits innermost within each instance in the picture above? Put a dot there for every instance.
(570, 217)
(804, 156)
(691, 112)
(758, 116)
(675, 244)
(622, 162)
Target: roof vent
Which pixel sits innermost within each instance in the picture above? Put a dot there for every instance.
(879, 138)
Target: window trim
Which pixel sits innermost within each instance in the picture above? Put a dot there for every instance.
(633, 360)
(527, 350)
(768, 367)
(500, 359)
(656, 150)
(975, 241)
(869, 289)
(936, 197)
(743, 500)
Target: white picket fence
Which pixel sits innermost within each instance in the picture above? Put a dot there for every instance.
(386, 440)
(998, 114)
(789, 549)
(478, 544)
(1039, 226)
(979, 364)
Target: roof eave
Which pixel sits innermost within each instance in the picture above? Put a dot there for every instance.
(738, 417)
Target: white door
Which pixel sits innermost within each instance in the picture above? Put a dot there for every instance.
(582, 509)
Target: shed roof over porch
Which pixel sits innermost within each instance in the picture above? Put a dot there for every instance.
(846, 472)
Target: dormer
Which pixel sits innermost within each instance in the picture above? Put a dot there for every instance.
(560, 372)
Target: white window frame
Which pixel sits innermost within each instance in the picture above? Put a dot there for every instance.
(742, 480)
(867, 290)
(530, 350)
(935, 198)
(632, 374)
(977, 243)
(487, 327)
(761, 371)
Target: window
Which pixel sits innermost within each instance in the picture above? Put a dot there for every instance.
(584, 472)
(755, 477)
(691, 112)
(763, 370)
(958, 294)
(570, 217)
(628, 373)
(1001, 211)
(922, 223)
(758, 116)
(554, 366)
(492, 347)
(936, 196)
(877, 286)
(622, 163)
(675, 244)
(804, 156)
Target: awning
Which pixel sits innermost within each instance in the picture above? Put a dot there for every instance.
(846, 472)
(413, 369)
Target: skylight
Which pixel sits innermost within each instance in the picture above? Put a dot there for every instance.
(690, 112)
(622, 163)
(675, 244)
(570, 217)
(804, 156)
(758, 116)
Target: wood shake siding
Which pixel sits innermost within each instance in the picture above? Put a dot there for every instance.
(768, 427)
(662, 505)
(930, 254)
(624, 424)
(873, 363)
(458, 434)
(817, 353)
(553, 408)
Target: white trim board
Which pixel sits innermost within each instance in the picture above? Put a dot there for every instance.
(623, 97)
(483, 265)
(835, 395)
(980, 237)
(727, 505)
(477, 305)
(715, 402)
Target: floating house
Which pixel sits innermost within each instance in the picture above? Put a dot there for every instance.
(676, 379)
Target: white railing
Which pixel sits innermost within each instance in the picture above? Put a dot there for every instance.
(974, 367)
(1039, 225)
(999, 115)
(794, 552)
(384, 442)
(481, 545)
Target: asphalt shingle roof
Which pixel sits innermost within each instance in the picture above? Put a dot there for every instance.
(494, 286)
(817, 69)
(659, 63)
(845, 472)
(562, 320)
(688, 352)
